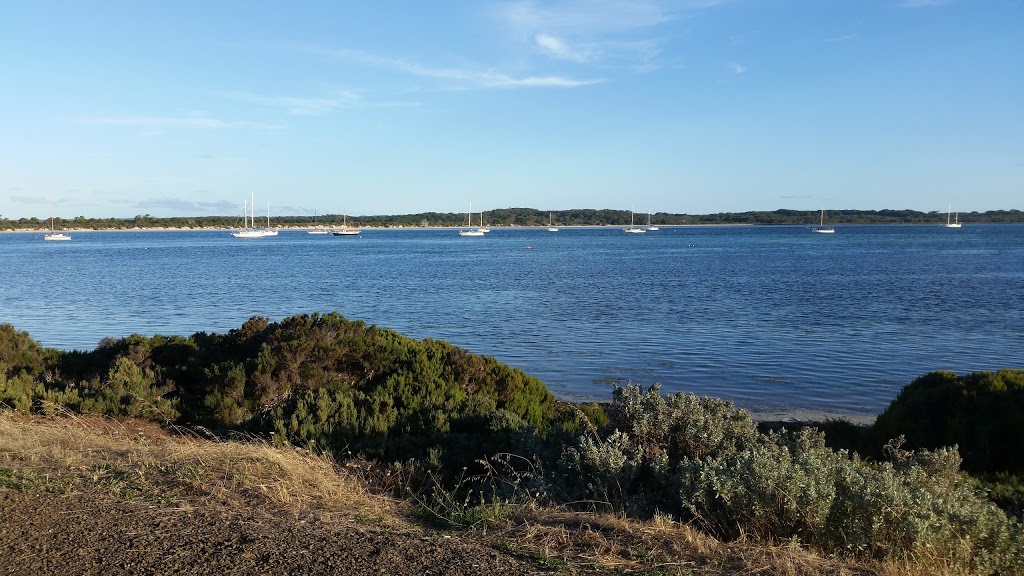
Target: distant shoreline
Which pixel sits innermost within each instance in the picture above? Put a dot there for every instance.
(493, 227)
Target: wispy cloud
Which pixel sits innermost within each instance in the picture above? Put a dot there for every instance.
(843, 38)
(316, 106)
(465, 77)
(604, 32)
(501, 81)
(296, 105)
(18, 198)
(178, 206)
(738, 68)
(589, 17)
(558, 48)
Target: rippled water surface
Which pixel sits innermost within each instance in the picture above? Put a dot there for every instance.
(775, 318)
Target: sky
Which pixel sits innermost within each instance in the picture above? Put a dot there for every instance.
(188, 108)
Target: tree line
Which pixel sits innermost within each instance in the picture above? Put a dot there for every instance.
(522, 217)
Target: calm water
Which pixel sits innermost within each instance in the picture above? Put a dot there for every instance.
(776, 318)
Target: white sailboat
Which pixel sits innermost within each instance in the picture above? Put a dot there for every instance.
(249, 229)
(55, 236)
(481, 228)
(551, 227)
(268, 231)
(649, 226)
(317, 229)
(822, 229)
(469, 220)
(956, 222)
(632, 228)
(345, 230)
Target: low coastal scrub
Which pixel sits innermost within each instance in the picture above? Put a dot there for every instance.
(474, 441)
(703, 461)
(318, 381)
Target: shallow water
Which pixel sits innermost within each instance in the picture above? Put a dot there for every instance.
(776, 318)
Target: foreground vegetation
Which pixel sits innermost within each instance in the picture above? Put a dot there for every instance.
(523, 217)
(468, 442)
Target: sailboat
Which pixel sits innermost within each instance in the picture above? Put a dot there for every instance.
(54, 235)
(649, 227)
(345, 230)
(956, 222)
(469, 219)
(249, 229)
(481, 228)
(822, 229)
(633, 229)
(551, 227)
(316, 227)
(268, 231)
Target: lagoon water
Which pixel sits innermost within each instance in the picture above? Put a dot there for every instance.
(777, 319)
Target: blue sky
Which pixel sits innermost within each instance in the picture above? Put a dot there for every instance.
(690, 106)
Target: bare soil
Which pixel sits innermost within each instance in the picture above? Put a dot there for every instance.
(43, 533)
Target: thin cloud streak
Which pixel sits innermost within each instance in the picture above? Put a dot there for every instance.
(465, 76)
(313, 106)
(590, 17)
(596, 31)
(558, 48)
(188, 208)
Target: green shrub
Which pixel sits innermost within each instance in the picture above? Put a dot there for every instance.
(980, 413)
(21, 355)
(702, 460)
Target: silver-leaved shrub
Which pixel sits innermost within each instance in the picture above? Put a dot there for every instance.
(704, 461)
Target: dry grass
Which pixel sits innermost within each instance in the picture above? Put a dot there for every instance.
(137, 459)
(584, 543)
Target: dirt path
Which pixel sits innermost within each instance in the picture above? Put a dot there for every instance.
(42, 533)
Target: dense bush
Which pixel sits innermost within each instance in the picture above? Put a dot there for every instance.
(703, 460)
(980, 413)
(314, 380)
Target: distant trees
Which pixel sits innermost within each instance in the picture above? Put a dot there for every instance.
(530, 217)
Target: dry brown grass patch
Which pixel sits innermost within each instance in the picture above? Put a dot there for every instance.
(138, 459)
(583, 543)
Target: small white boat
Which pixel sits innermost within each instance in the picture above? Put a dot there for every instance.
(633, 229)
(345, 230)
(551, 227)
(55, 236)
(956, 222)
(249, 229)
(469, 219)
(482, 228)
(822, 229)
(268, 231)
(649, 226)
